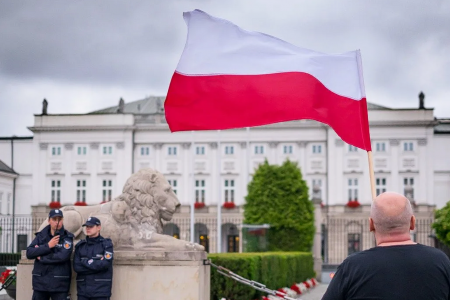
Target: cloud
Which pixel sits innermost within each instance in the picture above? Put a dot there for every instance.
(85, 55)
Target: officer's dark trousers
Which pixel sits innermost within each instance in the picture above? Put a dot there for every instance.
(86, 298)
(37, 295)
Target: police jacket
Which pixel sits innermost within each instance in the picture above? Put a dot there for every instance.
(53, 271)
(93, 264)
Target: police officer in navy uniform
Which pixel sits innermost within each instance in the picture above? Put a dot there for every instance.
(93, 263)
(51, 250)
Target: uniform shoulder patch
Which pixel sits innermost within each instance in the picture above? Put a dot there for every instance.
(67, 244)
(108, 255)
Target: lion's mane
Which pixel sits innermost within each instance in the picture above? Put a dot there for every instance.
(141, 208)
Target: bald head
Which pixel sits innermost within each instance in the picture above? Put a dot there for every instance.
(391, 213)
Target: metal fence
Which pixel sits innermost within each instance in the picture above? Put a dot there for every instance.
(205, 231)
(17, 233)
(342, 237)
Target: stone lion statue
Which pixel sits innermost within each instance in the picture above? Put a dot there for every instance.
(134, 219)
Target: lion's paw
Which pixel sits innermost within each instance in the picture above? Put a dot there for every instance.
(194, 247)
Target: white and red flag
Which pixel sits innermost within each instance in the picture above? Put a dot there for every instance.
(228, 77)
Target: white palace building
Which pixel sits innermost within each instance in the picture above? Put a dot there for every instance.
(88, 157)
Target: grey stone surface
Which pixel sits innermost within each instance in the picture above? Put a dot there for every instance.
(315, 293)
(144, 275)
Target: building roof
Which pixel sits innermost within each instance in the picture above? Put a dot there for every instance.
(442, 127)
(155, 104)
(4, 168)
(371, 106)
(149, 105)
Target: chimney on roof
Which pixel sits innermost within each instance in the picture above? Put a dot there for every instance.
(44, 107)
(421, 100)
(121, 107)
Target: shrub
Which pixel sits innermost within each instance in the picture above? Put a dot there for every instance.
(441, 224)
(278, 196)
(273, 269)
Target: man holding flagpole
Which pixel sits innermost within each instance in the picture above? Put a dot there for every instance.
(397, 268)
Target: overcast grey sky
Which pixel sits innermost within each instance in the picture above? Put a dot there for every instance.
(84, 55)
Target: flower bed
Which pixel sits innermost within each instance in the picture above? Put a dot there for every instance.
(229, 205)
(54, 205)
(353, 204)
(79, 203)
(8, 281)
(198, 205)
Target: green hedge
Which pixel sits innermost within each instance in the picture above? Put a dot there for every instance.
(9, 259)
(273, 269)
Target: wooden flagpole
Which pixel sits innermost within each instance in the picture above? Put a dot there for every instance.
(372, 176)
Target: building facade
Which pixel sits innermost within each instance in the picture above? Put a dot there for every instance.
(88, 157)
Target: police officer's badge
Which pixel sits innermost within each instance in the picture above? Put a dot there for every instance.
(67, 244)
(108, 255)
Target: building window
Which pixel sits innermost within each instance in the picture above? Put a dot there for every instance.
(200, 191)
(229, 150)
(352, 148)
(229, 190)
(408, 146)
(107, 150)
(1, 202)
(81, 191)
(287, 149)
(56, 151)
(259, 149)
(172, 150)
(316, 149)
(380, 185)
(354, 243)
(145, 151)
(408, 187)
(352, 189)
(82, 150)
(200, 150)
(380, 146)
(56, 190)
(174, 184)
(107, 190)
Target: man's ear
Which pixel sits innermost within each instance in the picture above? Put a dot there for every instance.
(412, 224)
(371, 225)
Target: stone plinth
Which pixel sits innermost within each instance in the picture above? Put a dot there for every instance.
(143, 275)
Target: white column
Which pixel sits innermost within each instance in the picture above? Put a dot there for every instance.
(120, 168)
(186, 171)
(272, 155)
(192, 189)
(332, 168)
(158, 157)
(40, 167)
(338, 173)
(421, 187)
(396, 183)
(302, 156)
(429, 145)
(219, 197)
(68, 190)
(95, 188)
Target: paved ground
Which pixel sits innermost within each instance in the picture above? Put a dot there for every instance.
(316, 293)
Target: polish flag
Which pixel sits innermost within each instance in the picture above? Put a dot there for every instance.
(228, 77)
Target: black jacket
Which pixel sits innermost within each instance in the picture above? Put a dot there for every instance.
(53, 272)
(94, 274)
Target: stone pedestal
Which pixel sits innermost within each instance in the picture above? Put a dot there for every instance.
(143, 275)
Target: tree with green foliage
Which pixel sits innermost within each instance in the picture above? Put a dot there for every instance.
(278, 196)
(442, 224)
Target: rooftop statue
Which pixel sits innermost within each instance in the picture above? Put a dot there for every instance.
(133, 220)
